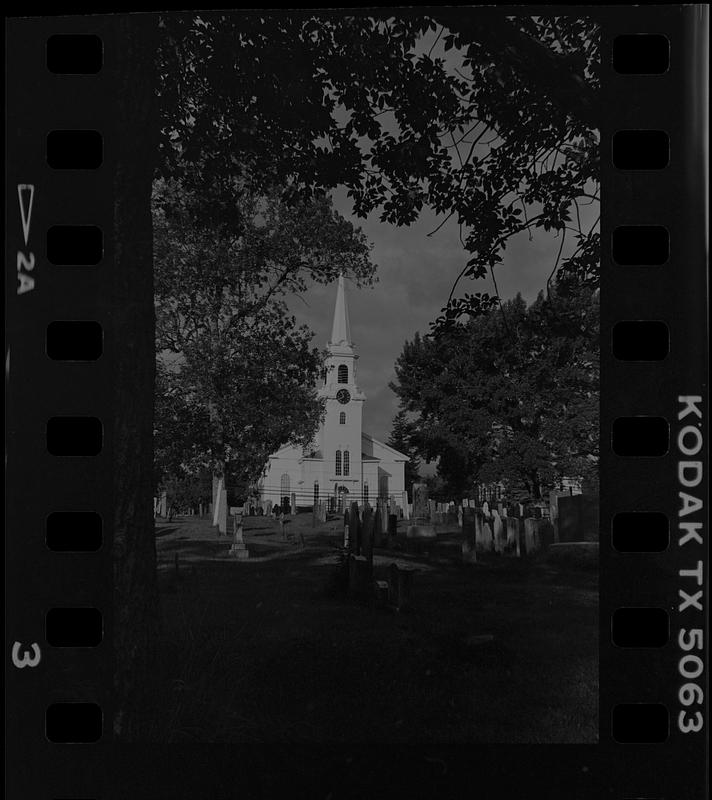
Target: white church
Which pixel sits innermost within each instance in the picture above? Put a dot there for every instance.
(344, 463)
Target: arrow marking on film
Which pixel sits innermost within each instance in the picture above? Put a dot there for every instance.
(26, 194)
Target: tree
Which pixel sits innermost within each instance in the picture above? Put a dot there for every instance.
(135, 616)
(511, 399)
(401, 439)
(290, 99)
(180, 424)
(184, 492)
(493, 125)
(243, 371)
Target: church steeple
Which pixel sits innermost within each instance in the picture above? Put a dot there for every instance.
(340, 329)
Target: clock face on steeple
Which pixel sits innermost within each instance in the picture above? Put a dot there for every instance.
(343, 396)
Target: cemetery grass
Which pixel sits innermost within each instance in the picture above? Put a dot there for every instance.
(267, 651)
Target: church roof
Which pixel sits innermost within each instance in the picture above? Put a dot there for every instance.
(341, 328)
(400, 456)
(316, 455)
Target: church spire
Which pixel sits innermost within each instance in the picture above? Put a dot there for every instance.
(341, 330)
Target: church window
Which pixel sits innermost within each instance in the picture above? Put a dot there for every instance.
(316, 492)
(284, 486)
(365, 493)
(342, 418)
(346, 462)
(338, 462)
(343, 373)
(383, 486)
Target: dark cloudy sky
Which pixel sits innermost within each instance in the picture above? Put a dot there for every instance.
(415, 274)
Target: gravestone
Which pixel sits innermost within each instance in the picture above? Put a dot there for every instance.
(381, 592)
(546, 533)
(347, 537)
(400, 586)
(215, 495)
(480, 541)
(554, 513)
(487, 535)
(379, 537)
(284, 525)
(575, 518)
(392, 526)
(163, 505)
(469, 530)
(498, 533)
(315, 514)
(382, 507)
(354, 530)
(238, 549)
(320, 512)
(421, 527)
(293, 504)
(511, 525)
(222, 511)
(405, 505)
(367, 536)
(360, 577)
(532, 539)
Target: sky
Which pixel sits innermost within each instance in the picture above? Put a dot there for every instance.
(415, 274)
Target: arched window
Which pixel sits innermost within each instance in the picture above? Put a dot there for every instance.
(346, 462)
(343, 373)
(316, 492)
(365, 493)
(338, 462)
(284, 487)
(342, 418)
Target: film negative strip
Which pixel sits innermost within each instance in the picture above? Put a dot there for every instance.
(489, 683)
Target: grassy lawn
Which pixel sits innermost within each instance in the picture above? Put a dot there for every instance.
(263, 650)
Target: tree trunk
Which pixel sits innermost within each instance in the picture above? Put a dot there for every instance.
(536, 486)
(131, 146)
